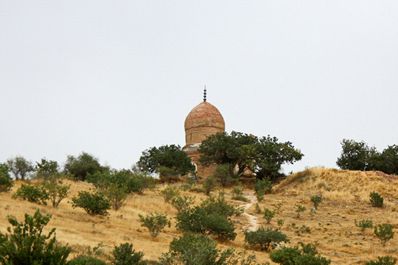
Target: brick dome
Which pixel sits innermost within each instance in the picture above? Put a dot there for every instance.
(203, 121)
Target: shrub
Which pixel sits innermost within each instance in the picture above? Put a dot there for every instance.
(125, 254)
(280, 223)
(210, 217)
(384, 232)
(263, 238)
(316, 200)
(262, 187)
(376, 199)
(169, 193)
(193, 249)
(92, 203)
(26, 244)
(363, 224)
(306, 255)
(155, 223)
(5, 179)
(31, 193)
(386, 260)
(208, 185)
(86, 260)
(116, 195)
(56, 191)
(237, 194)
(299, 209)
(182, 202)
(268, 215)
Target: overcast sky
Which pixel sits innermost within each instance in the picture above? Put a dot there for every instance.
(113, 78)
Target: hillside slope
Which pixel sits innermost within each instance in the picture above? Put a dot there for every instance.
(331, 228)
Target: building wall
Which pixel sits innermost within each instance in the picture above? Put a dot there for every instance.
(199, 134)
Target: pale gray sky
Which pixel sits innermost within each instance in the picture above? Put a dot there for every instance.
(115, 77)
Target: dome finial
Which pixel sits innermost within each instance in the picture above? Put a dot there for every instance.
(205, 94)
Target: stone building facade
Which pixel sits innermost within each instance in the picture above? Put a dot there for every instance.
(203, 120)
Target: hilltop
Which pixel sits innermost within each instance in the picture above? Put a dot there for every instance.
(332, 228)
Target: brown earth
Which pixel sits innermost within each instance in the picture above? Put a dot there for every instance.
(332, 228)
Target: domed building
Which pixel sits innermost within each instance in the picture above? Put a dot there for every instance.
(203, 120)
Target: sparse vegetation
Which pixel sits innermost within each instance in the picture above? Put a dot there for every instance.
(376, 200)
(299, 209)
(316, 200)
(268, 215)
(92, 203)
(182, 202)
(237, 194)
(262, 187)
(384, 232)
(264, 238)
(208, 185)
(223, 175)
(56, 190)
(364, 224)
(154, 222)
(169, 193)
(386, 260)
(25, 243)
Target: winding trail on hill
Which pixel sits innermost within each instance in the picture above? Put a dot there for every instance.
(252, 219)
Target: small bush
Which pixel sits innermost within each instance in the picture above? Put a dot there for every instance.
(92, 203)
(363, 224)
(262, 187)
(280, 223)
(299, 209)
(305, 255)
(263, 238)
(316, 200)
(155, 223)
(169, 193)
(193, 249)
(56, 191)
(26, 243)
(182, 202)
(125, 254)
(31, 193)
(384, 232)
(237, 194)
(268, 215)
(386, 260)
(208, 185)
(5, 179)
(86, 260)
(376, 200)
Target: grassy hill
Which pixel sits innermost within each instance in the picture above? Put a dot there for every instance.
(332, 228)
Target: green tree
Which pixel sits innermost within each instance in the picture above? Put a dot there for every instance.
(223, 175)
(20, 167)
(168, 160)
(357, 156)
(56, 190)
(264, 156)
(46, 168)
(82, 166)
(25, 243)
(263, 238)
(305, 255)
(5, 178)
(388, 162)
(32, 193)
(386, 260)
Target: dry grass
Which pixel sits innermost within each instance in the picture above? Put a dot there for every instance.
(345, 193)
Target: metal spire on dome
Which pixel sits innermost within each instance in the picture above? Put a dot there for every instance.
(205, 94)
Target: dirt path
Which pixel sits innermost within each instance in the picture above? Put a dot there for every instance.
(252, 219)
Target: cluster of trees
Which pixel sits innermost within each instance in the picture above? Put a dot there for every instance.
(360, 156)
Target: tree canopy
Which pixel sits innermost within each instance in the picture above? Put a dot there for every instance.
(167, 158)
(20, 167)
(262, 155)
(82, 166)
